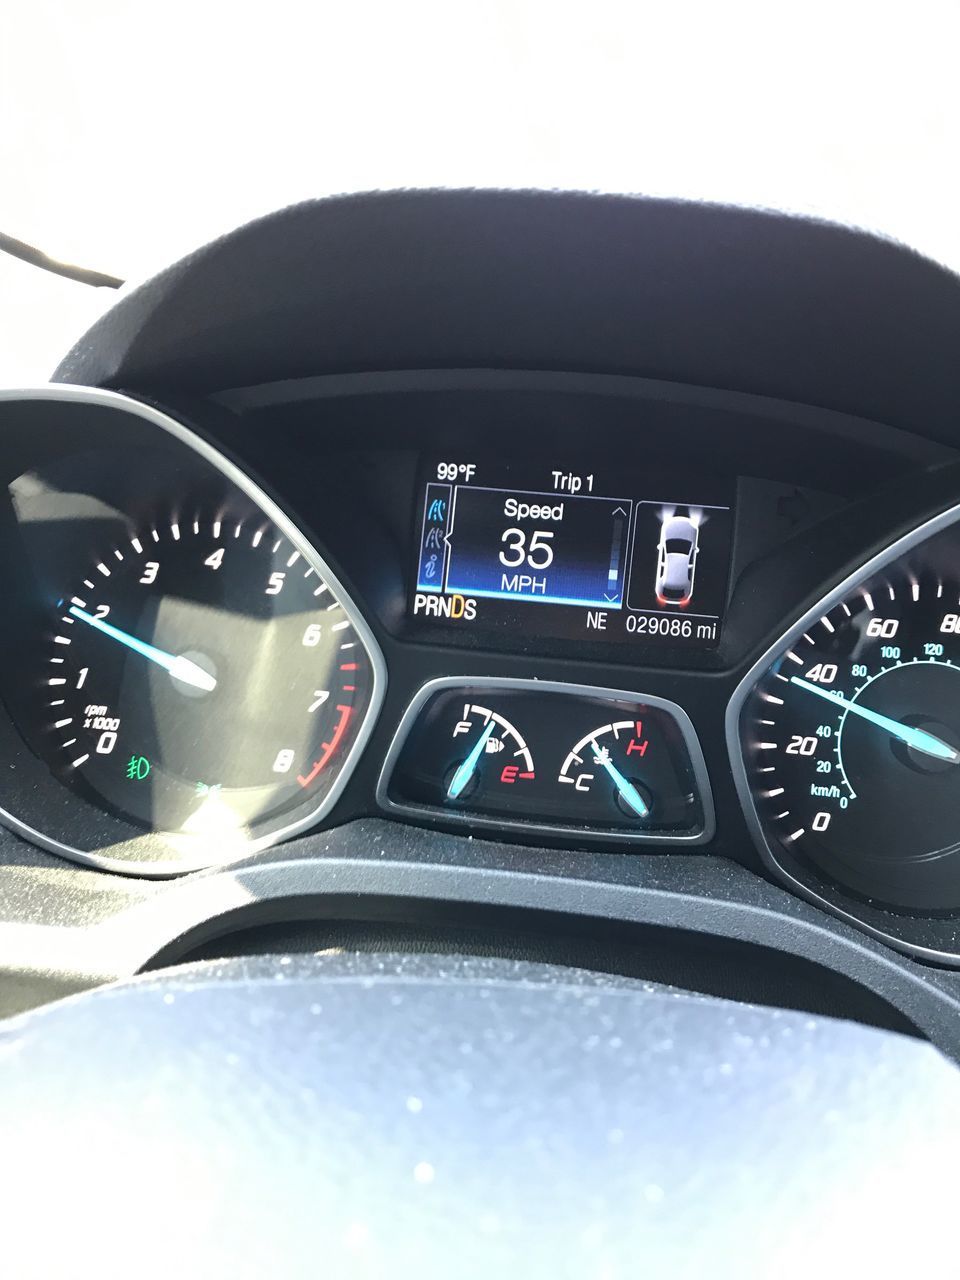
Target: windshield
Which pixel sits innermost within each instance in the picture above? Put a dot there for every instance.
(134, 133)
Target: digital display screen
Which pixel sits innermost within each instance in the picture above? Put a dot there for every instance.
(572, 552)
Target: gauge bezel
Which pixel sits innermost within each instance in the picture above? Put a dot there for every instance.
(426, 813)
(234, 475)
(848, 911)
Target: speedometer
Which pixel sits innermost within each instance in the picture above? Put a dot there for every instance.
(846, 742)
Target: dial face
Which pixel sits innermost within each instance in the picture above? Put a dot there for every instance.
(603, 760)
(851, 738)
(203, 679)
(484, 734)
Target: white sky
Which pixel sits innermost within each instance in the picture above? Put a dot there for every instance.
(132, 132)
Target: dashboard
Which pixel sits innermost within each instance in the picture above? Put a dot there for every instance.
(189, 677)
(591, 627)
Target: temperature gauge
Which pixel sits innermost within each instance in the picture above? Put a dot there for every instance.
(634, 771)
(550, 757)
(590, 766)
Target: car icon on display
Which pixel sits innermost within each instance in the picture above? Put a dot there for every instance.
(676, 561)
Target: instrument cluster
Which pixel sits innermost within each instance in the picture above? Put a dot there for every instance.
(191, 673)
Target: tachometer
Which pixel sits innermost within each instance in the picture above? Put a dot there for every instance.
(203, 679)
(847, 739)
(186, 681)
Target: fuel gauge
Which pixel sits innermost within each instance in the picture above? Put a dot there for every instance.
(490, 735)
(546, 756)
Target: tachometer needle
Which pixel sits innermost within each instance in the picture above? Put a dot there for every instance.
(628, 791)
(465, 772)
(180, 668)
(916, 738)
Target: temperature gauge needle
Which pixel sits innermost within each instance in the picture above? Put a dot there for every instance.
(628, 792)
(916, 738)
(179, 667)
(465, 772)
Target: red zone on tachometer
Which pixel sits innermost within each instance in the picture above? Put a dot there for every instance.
(328, 748)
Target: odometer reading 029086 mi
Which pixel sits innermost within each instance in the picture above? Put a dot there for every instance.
(851, 739)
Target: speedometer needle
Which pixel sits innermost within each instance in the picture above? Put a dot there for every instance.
(916, 738)
(180, 668)
(628, 791)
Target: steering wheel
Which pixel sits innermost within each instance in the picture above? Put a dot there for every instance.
(374, 1115)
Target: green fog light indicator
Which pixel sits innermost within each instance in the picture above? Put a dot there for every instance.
(138, 768)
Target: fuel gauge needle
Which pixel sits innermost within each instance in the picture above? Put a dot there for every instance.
(629, 793)
(180, 668)
(465, 772)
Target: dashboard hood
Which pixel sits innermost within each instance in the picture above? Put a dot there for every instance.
(730, 298)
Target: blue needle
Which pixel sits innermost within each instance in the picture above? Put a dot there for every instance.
(916, 738)
(179, 667)
(465, 772)
(627, 790)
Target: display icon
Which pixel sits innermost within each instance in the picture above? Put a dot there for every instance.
(433, 538)
(138, 768)
(677, 560)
